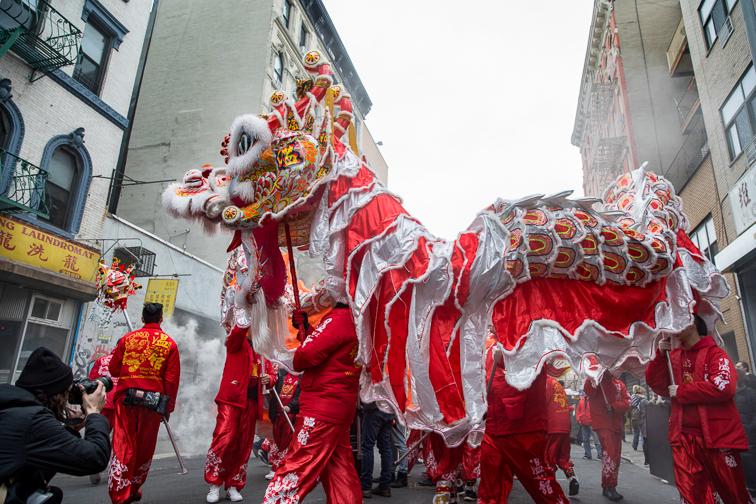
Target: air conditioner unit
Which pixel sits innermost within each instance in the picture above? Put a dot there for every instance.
(725, 31)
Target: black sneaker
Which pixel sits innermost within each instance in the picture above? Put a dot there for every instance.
(383, 492)
(470, 494)
(574, 486)
(587, 457)
(426, 482)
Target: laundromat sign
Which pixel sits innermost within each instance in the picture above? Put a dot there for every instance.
(29, 245)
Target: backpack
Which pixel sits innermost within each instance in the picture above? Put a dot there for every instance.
(635, 416)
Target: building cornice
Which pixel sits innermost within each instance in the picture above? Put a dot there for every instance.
(599, 22)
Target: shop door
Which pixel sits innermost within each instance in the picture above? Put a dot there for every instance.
(14, 302)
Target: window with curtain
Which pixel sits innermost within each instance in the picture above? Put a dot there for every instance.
(738, 114)
(62, 181)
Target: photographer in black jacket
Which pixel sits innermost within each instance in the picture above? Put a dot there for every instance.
(35, 443)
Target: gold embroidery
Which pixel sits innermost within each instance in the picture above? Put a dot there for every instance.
(141, 346)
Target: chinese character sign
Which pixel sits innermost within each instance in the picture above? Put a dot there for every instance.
(742, 201)
(163, 292)
(29, 245)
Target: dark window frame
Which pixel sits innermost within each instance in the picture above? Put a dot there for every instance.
(74, 142)
(286, 15)
(15, 135)
(102, 67)
(712, 247)
(303, 36)
(94, 13)
(278, 73)
(745, 112)
(714, 20)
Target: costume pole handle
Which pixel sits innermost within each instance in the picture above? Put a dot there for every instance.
(128, 320)
(175, 447)
(294, 281)
(280, 403)
(669, 365)
(490, 379)
(411, 449)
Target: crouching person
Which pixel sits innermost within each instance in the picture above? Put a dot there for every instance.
(35, 443)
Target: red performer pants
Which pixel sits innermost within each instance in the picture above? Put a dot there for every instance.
(611, 451)
(282, 436)
(134, 439)
(701, 472)
(234, 433)
(501, 457)
(320, 450)
(471, 463)
(558, 451)
(443, 463)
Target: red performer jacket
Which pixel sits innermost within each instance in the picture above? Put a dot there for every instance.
(616, 395)
(101, 368)
(583, 414)
(147, 359)
(512, 411)
(559, 410)
(707, 379)
(242, 370)
(330, 378)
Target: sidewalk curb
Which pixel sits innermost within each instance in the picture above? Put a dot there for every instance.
(626, 459)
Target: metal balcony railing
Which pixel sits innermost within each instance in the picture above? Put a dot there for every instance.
(22, 186)
(689, 157)
(38, 33)
(678, 56)
(688, 105)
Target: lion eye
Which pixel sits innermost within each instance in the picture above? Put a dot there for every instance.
(245, 142)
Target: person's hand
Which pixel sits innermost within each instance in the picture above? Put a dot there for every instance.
(286, 409)
(497, 353)
(265, 379)
(665, 345)
(94, 402)
(299, 318)
(75, 413)
(673, 390)
(610, 409)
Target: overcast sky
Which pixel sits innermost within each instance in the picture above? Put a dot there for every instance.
(473, 100)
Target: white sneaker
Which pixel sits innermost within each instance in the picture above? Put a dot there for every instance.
(233, 495)
(270, 475)
(214, 494)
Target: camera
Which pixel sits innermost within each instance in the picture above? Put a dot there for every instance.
(74, 395)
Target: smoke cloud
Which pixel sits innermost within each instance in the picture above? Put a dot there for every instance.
(202, 362)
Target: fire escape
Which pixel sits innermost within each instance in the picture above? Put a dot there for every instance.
(46, 40)
(607, 153)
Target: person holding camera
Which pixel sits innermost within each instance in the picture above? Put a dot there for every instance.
(146, 364)
(35, 443)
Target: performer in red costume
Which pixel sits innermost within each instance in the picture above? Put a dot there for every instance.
(443, 465)
(607, 404)
(470, 471)
(239, 403)
(558, 438)
(515, 441)
(329, 383)
(705, 429)
(287, 387)
(144, 360)
(101, 368)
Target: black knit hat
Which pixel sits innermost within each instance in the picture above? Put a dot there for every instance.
(45, 371)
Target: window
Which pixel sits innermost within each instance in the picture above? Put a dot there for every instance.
(738, 114)
(278, 69)
(11, 134)
(303, 39)
(713, 14)
(69, 169)
(63, 174)
(705, 238)
(90, 66)
(287, 13)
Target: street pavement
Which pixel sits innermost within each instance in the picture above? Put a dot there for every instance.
(166, 485)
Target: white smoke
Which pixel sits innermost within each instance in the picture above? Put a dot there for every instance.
(194, 418)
